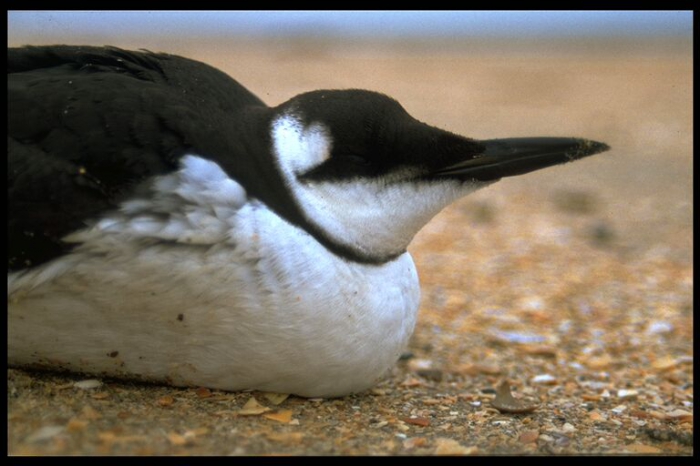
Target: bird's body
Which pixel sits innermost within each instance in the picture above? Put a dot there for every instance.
(166, 225)
(256, 303)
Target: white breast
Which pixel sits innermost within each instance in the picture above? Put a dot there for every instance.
(221, 292)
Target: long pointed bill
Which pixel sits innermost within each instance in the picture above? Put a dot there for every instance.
(516, 156)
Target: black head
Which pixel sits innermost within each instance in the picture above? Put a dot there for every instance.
(373, 136)
(367, 176)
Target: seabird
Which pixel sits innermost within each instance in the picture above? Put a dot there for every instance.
(166, 225)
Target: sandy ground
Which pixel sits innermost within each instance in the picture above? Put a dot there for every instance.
(573, 284)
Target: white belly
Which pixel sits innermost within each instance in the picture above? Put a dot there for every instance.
(268, 308)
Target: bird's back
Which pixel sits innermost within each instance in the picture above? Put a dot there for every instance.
(87, 124)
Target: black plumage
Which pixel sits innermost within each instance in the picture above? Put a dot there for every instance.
(87, 124)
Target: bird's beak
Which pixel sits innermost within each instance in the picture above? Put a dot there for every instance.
(516, 156)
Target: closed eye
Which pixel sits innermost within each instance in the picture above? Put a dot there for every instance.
(352, 159)
(342, 167)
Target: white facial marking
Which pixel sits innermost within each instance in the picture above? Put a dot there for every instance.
(377, 217)
(303, 148)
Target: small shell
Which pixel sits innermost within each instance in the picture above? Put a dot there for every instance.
(505, 403)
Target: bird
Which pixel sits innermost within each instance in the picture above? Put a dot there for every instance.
(165, 225)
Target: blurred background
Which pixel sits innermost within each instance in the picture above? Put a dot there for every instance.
(173, 27)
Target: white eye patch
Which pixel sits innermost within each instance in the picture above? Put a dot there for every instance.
(299, 149)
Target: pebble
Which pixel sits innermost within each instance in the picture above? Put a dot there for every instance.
(417, 421)
(659, 326)
(252, 408)
(203, 392)
(87, 384)
(545, 379)
(619, 409)
(543, 350)
(568, 427)
(515, 337)
(665, 363)
(165, 401)
(420, 364)
(284, 416)
(627, 394)
(178, 440)
(600, 362)
(505, 403)
(680, 413)
(595, 385)
(528, 436)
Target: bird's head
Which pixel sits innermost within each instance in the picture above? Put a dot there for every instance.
(367, 176)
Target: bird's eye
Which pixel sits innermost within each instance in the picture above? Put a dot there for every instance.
(341, 166)
(353, 159)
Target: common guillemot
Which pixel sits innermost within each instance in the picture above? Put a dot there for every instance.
(166, 225)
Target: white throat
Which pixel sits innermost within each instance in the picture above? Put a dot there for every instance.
(375, 216)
